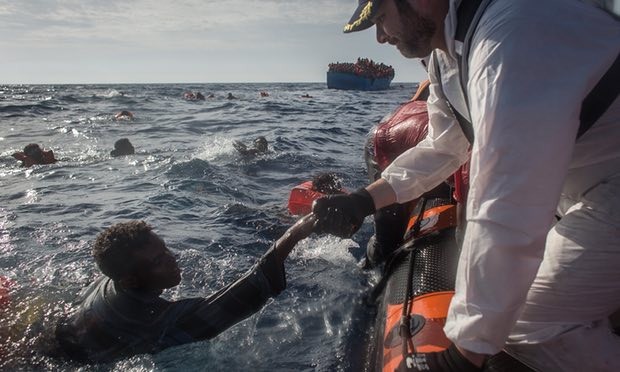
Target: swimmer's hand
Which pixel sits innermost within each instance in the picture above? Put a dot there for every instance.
(19, 155)
(241, 147)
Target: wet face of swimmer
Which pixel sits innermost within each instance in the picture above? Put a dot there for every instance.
(136, 258)
(260, 144)
(155, 267)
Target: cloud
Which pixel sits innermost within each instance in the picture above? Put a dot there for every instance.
(162, 24)
(50, 19)
(189, 40)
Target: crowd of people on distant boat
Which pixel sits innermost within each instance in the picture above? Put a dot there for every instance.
(364, 67)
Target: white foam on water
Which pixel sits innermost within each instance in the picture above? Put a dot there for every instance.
(215, 148)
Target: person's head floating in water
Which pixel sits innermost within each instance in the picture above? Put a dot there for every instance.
(327, 183)
(123, 115)
(259, 146)
(132, 255)
(122, 147)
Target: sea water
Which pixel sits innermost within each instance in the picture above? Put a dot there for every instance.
(216, 210)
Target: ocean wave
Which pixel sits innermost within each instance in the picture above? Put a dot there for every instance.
(217, 210)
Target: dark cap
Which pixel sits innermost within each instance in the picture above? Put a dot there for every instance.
(361, 19)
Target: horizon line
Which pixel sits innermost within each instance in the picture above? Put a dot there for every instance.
(188, 83)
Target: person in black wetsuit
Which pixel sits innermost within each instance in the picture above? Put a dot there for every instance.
(122, 313)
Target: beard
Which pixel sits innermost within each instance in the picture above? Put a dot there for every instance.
(417, 32)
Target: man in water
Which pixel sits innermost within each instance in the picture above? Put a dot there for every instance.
(34, 154)
(122, 313)
(191, 96)
(122, 147)
(260, 146)
(123, 115)
(542, 288)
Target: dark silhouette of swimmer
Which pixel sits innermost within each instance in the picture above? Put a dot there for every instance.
(123, 115)
(264, 94)
(191, 96)
(34, 154)
(122, 314)
(122, 147)
(230, 96)
(306, 96)
(260, 146)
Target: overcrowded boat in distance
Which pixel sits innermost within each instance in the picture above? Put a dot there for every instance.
(364, 74)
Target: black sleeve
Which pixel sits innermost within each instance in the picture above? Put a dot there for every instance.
(273, 271)
(206, 318)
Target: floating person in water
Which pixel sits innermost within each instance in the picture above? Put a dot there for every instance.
(264, 94)
(260, 146)
(191, 96)
(305, 96)
(122, 147)
(34, 154)
(123, 115)
(210, 95)
(230, 96)
(122, 313)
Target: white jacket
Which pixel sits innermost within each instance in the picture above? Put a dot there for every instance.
(531, 64)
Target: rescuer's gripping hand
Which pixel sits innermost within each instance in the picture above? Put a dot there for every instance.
(343, 214)
(449, 360)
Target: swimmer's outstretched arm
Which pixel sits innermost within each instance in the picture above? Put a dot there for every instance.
(299, 231)
(206, 318)
(240, 146)
(19, 155)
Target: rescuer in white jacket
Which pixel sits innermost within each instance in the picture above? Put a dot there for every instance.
(542, 289)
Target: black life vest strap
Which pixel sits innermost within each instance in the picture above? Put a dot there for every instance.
(466, 126)
(465, 15)
(600, 98)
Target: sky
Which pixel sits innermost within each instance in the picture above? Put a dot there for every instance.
(183, 41)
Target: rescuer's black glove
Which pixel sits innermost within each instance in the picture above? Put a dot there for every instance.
(449, 360)
(343, 214)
